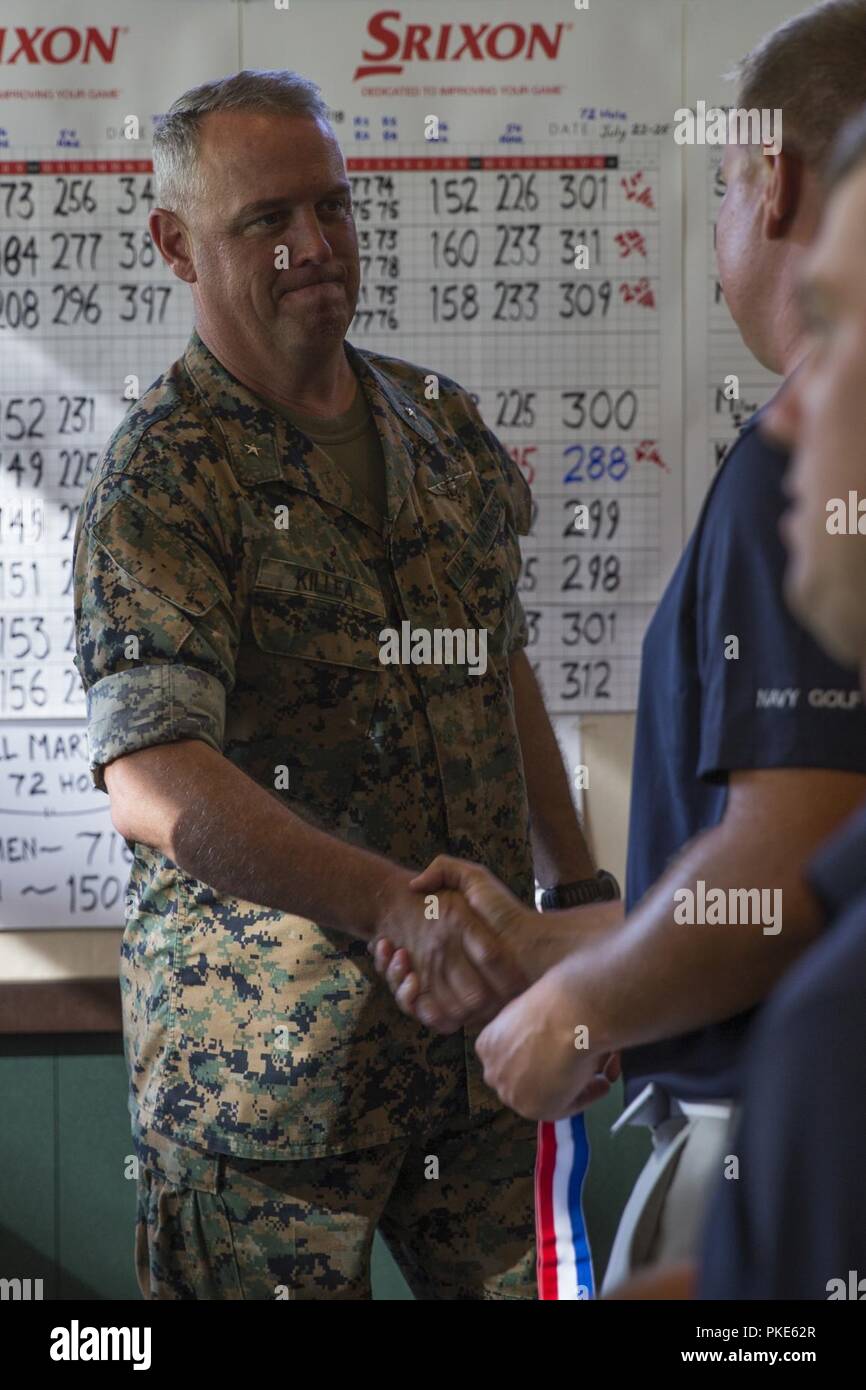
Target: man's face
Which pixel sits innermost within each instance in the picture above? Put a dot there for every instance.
(270, 181)
(821, 414)
(739, 241)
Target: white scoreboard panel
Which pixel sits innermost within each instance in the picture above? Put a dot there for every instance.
(486, 142)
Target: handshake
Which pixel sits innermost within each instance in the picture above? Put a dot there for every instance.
(457, 948)
(451, 944)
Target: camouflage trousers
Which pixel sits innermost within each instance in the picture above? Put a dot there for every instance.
(456, 1209)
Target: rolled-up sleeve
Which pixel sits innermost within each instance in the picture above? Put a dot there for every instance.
(134, 709)
(156, 634)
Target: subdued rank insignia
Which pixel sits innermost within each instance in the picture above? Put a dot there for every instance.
(452, 485)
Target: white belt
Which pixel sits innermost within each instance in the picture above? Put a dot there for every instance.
(709, 1109)
(655, 1106)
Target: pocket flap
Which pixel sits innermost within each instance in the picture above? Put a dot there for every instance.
(292, 577)
(314, 626)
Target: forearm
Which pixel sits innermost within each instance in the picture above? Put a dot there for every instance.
(551, 937)
(559, 849)
(656, 977)
(222, 828)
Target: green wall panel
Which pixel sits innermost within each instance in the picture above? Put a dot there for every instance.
(28, 1168)
(67, 1211)
(97, 1203)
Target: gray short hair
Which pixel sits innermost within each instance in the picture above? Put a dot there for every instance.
(175, 138)
(813, 69)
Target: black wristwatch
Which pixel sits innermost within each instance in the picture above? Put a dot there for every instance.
(603, 888)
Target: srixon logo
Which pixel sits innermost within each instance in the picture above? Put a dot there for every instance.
(63, 44)
(450, 43)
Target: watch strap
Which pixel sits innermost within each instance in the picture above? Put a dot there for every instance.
(602, 888)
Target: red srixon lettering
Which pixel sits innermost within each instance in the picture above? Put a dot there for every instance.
(399, 44)
(63, 44)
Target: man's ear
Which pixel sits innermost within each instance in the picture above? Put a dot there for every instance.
(783, 191)
(170, 236)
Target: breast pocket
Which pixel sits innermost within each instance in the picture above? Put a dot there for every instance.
(316, 672)
(486, 567)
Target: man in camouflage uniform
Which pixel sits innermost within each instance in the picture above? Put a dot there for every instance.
(274, 501)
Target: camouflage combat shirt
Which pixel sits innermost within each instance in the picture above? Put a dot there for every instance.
(255, 583)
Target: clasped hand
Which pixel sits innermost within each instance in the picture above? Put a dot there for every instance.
(466, 966)
(445, 964)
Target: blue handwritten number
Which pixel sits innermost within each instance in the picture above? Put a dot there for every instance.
(616, 466)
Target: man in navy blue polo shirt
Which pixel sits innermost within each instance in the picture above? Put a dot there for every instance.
(750, 750)
(794, 1224)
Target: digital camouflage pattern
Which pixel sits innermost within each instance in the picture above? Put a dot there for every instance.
(249, 1031)
(215, 1227)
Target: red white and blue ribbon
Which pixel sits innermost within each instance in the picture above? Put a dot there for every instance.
(564, 1257)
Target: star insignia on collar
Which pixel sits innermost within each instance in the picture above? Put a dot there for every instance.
(252, 449)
